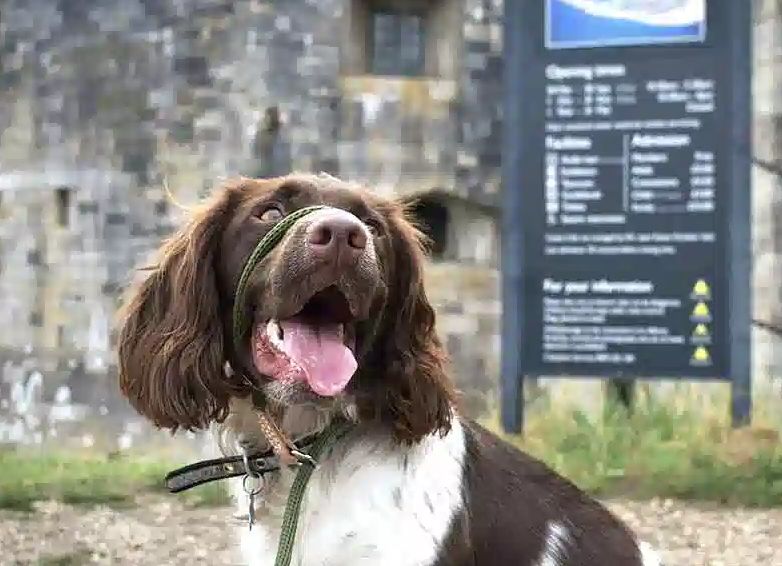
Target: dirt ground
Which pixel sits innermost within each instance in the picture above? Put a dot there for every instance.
(162, 532)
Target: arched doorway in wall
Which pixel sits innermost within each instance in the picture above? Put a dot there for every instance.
(433, 218)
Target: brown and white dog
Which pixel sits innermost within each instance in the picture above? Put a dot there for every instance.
(342, 326)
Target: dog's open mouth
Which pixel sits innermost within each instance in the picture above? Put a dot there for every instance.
(316, 345)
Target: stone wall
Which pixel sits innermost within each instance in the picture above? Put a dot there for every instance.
(106, 105)
(468, 309)
(767, 186)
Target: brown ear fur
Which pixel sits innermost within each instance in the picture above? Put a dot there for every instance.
(171, 352)
(417, 394)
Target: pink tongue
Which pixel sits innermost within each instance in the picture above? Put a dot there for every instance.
(321, 353)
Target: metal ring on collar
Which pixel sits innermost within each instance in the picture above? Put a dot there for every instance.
(255, 489)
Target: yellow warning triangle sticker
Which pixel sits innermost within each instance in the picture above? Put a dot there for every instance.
(701, 290)
(701, 355)
(701, 310)
(701, 330)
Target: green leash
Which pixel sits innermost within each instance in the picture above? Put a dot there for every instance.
(290, 519)
(331, 434)
(267, 243)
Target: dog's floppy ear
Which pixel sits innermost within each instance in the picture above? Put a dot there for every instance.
(418, 397)
(170, 340)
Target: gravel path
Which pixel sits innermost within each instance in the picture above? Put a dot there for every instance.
(157, 532)
(162, 532)
(706, 535)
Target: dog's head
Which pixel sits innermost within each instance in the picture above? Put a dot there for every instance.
(337, 308)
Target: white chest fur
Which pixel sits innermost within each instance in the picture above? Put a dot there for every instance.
(370, 503)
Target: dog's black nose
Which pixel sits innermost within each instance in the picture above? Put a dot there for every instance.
(337, 235)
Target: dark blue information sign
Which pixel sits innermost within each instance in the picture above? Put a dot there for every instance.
(626, 185)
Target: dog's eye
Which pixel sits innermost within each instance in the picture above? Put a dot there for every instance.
(271, 214)
(373, 226)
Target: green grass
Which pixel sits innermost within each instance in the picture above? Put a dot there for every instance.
(27, 477)
(76, 558)
(682, 449)
(658, 451)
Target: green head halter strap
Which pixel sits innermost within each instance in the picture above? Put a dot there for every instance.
(335, 430)
(267, 243)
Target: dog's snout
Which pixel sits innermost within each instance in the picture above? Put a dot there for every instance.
(337, 235)
(325, 234)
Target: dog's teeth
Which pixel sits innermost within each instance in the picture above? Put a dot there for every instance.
(274, 331)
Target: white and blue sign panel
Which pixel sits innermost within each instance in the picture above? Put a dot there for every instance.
(626, 240)
(604, 23)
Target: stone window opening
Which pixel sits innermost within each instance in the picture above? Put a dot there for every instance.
(396, 37)
(36, 319)
(4, 210)
(432, 218)
(63, 200)
(402, 38)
